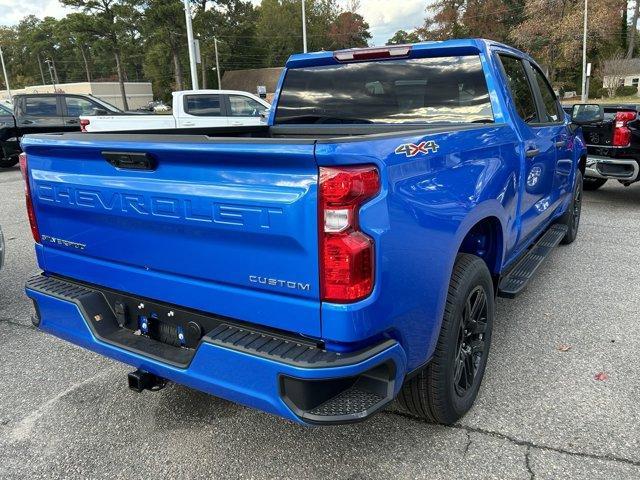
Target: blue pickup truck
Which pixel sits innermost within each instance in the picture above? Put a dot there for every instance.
(344, 254)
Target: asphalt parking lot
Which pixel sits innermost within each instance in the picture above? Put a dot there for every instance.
(67, 413)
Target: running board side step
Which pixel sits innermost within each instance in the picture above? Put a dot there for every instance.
(517, 278)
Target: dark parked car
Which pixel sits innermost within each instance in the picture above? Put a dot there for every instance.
(44, 113)
(9, 148)
(613, 143)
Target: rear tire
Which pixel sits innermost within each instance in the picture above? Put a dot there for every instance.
(591, 183)
(446, 388)
(8, 162)
(571, 218)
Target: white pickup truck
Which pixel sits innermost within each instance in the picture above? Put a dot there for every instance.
(191, 109)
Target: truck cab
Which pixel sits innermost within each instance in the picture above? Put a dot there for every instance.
(192, 109)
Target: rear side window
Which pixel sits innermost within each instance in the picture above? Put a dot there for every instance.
(552, 111)
(203, 105)
(422, 90)
(41, 106)
(245, 106)
(520, 88)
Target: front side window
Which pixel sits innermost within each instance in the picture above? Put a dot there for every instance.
(245, 106)
(552, 111)
(423, 90)
(520, 88)
(41, 106)
(203, 105)
(77, 107)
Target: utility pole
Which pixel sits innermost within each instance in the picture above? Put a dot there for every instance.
(304, 29)
(584, 55)
(192, 50)
(49, 62)
(44, 82)
(6, 77)
(215, 46)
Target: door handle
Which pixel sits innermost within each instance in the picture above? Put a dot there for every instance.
(532, 152)
(236, 123)
(188, 124)
(27, 122)
(561, 143)
(72, 121)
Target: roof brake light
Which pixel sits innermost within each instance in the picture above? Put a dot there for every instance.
(360, 54)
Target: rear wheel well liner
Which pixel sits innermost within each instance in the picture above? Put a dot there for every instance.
(485, 240)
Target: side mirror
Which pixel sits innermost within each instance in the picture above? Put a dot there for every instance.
(100, 111)
(586, 114)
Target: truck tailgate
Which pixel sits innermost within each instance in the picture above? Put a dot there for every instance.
(221, 225)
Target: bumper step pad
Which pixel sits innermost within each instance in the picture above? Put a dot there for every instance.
(352, 400)
(515, 281)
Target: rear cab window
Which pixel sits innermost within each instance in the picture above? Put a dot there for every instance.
(40, 106)
(448, 89)
(203, 105)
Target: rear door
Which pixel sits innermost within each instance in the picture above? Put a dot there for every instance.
(244, 110)
(539, 148)
(202, 110)
(222, 225)
(41, 111)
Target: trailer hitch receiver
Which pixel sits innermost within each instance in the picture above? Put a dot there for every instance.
(141, 380)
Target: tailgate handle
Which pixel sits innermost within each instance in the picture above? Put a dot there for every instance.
(130, 160)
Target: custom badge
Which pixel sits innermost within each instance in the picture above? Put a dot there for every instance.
(411, 149)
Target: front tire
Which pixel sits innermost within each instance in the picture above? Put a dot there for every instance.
(446, 388)
(591, 183)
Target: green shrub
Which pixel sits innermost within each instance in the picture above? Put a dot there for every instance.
(626, 91)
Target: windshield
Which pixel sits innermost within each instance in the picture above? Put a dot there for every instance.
(105, 104)
(424, 90)
(4, 109)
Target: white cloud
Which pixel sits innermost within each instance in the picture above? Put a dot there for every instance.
(387, 17)
(14, 10)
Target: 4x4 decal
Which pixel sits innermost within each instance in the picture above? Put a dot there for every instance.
(411, 149)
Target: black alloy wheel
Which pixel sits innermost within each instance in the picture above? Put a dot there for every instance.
(471, 341)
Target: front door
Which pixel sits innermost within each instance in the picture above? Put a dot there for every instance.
(244, 110)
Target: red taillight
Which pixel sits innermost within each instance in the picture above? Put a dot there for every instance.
(346, 254)
(84, 122)
(621, 132)
(24, 168)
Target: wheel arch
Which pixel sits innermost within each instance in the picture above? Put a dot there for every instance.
(484, 235)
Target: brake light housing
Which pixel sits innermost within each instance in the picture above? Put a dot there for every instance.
(346, 253)
(621, 131)
(372, 53)
(24, 168)
(84, 123)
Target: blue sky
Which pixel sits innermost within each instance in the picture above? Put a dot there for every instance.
(383, 16)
